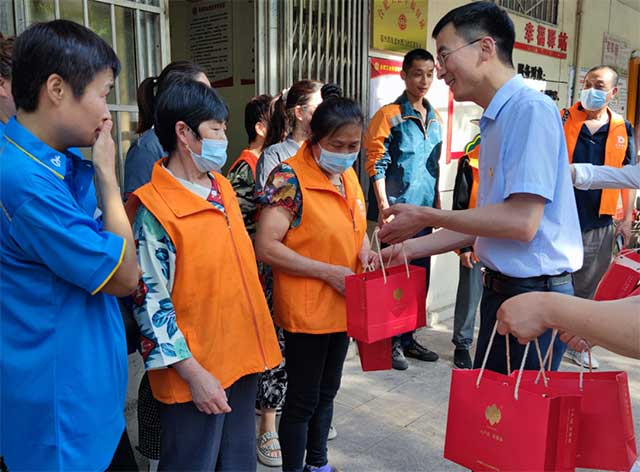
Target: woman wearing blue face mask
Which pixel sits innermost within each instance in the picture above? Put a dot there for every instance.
(199, 303)
(312, 232)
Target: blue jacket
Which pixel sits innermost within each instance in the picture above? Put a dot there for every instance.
(404, 150)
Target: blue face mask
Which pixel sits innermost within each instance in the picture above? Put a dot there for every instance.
(213, 155)
(336, 162)
(593, 99)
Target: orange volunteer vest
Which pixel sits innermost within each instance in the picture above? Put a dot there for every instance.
(473, 162)
(219, 303)
(250, 158)
(615, 149)
(331, 230)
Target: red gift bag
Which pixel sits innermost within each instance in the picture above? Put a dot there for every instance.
(495, 424)
(375, 356)
(386, 302)
(607, 439)
(622, 277)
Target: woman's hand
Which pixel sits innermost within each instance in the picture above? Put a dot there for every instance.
(208, 395)
(368, 258)
(206, 391)
(335, 277)
(391, 256)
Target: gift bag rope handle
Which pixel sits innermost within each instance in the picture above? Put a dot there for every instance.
(549, 355)
(508, 349)
(520, 371)
(628, 250)
(375, 239)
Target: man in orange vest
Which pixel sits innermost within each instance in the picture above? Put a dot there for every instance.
(596, 135)
(465, 195)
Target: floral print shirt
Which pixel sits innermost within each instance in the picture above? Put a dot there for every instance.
(161, 341)
(282, 189)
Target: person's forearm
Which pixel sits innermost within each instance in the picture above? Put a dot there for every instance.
(282, 258)
(628, 197)
(590, 177)
(365, 249)
(438, 242)
(188, 368)
(518, 220)
(614, 325)
(116, 221)
(380, 190)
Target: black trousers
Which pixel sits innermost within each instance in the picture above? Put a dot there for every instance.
(314, 370)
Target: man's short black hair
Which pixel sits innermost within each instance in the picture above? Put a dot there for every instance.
(60, 47)
(604, 66)
(416, 55)
(189, 101)
(477, 19)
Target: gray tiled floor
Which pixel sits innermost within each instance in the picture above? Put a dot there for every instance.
(395, 421)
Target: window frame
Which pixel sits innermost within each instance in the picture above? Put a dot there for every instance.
(22, 20)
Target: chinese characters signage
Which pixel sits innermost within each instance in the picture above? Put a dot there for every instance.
(399, 25)
(616, 53)
(542, 39)
(386, 84)
(531, 72)
(210, 40)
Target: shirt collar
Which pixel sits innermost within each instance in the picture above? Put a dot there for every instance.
(35, 149)
(502, 96)
(407, 108)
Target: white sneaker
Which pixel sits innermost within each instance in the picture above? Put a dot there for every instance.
(582, 358)
(333, 433)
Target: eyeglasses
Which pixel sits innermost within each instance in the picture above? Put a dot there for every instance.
(442, 57)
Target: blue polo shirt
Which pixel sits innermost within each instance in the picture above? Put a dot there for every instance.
(63, 358)
(2, 126)
(524, 151)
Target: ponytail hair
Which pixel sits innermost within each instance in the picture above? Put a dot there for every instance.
(283, 116)
(151, 87)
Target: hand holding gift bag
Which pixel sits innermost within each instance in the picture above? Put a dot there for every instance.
(386, 302)
(381, 304)
(497, 423)
(607, 439)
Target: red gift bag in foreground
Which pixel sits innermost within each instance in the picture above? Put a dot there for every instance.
(494, 424)
(622, 278)
(386, 302)
(607, 439)
(375, 356)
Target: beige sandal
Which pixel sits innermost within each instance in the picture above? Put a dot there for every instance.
(265, 451)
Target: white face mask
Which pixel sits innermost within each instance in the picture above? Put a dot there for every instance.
(336, 162)
(213, 155)
(593, 99)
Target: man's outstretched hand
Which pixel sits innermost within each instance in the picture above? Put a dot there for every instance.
(403, 221)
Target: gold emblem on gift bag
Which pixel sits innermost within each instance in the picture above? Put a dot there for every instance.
(398, 294)
(493, 415)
